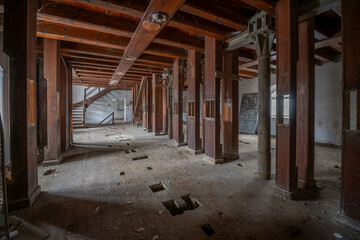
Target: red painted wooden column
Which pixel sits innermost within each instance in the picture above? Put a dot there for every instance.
(230, 108)
(177, 97)
(149, 97)
(20, 47)
(305, 106)
(64, 106)
(350, 191)
(165, 107)
(157, 104)
(70, 102)
(287, 56)
(213, 63)
(193, 101)
(52, 74)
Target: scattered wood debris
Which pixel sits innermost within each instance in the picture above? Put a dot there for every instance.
(140, 157)
(50, 171)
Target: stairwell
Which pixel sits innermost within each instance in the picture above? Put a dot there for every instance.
(78, 115)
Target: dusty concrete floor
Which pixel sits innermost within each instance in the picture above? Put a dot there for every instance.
(88, 198)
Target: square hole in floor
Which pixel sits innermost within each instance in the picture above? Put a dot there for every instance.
(157, 187)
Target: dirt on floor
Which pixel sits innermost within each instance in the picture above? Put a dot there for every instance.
(120, 182)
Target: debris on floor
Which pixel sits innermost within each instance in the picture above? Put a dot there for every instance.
(157, 187)
(96, 210)
(140, 157)
(241, 164)
(49, 171)
(176, 208)
(338, 236)
(208, 229)
(122, 173)
(149, 168)
(127, 151)
(156, 237)
(243, 142)
(336, 166)
(140, 229)
(133, 150)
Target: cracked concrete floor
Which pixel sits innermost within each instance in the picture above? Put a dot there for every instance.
(88, 198)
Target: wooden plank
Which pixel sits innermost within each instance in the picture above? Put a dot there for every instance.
(328, 42)
(266, 6)
(142, 37)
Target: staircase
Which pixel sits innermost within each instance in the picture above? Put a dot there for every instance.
(78, 114)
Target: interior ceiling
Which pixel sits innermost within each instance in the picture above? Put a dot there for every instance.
(95, 34)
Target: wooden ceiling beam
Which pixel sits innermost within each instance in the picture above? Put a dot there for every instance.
(84, 66)
(180, 20)
(78, 35)
(263, 5)
(143, 37)
(91, 20)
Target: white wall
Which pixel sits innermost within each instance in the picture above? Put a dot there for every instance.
(328, 102)
(78, 93)
(103, 106)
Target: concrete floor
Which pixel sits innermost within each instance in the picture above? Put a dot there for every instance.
(88, 198)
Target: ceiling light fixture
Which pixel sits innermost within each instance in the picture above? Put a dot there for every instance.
(156, 18)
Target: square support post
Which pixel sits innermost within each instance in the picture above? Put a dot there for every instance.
(64, 106)
(42, 105)
(149, 90)
(165, 107)
(70, 103)
(20, 47)
(178, 84)
(157, 105)
(193, 101)
(305, 106)
(52, 153)
(213, 63)
(350, 174)
(287, 57)
(230, 108)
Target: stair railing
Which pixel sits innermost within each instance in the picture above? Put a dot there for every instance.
(110, 118)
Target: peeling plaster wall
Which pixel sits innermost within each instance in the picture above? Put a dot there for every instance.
(78, 93)
(328, 102)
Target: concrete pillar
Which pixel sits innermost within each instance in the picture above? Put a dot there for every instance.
(287, 57)
(213, 63)
(263, 45)
(193, 101)
(350, 187)
(230, 108)
(20, 47)
(157, 104)
(52, 74)
(178, 85)
(305, 106)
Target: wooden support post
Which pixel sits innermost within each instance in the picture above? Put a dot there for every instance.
(305, 106)
(157, 104)
(177, 97)
(165, 107)
(64, 106)
(51, 73)
(70, 102)
(20, 47)
(350, 191)
(230, 108)
(149, 97)
(42, 105)
(287, 56)
(213, 63)
(193, 101)
(170, 106)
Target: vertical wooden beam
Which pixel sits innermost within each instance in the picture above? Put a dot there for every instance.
(149, 108)
(287, 56)
(165, 107)
(213, 63)
(51, 73)
(157, 104)
(70, 102)
(305, 106)
(42, 105)
(230, 107)
(193, 101)
(350, 191)
(178, 85)
(64, 106)
(20, 46)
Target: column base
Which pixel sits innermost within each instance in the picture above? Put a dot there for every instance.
(149, 131)
(196, 152)
(52, 162)
(181, 144)
(25, 202)
(231, 157)
(294, 195)
(213, 160)
(348, 221)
